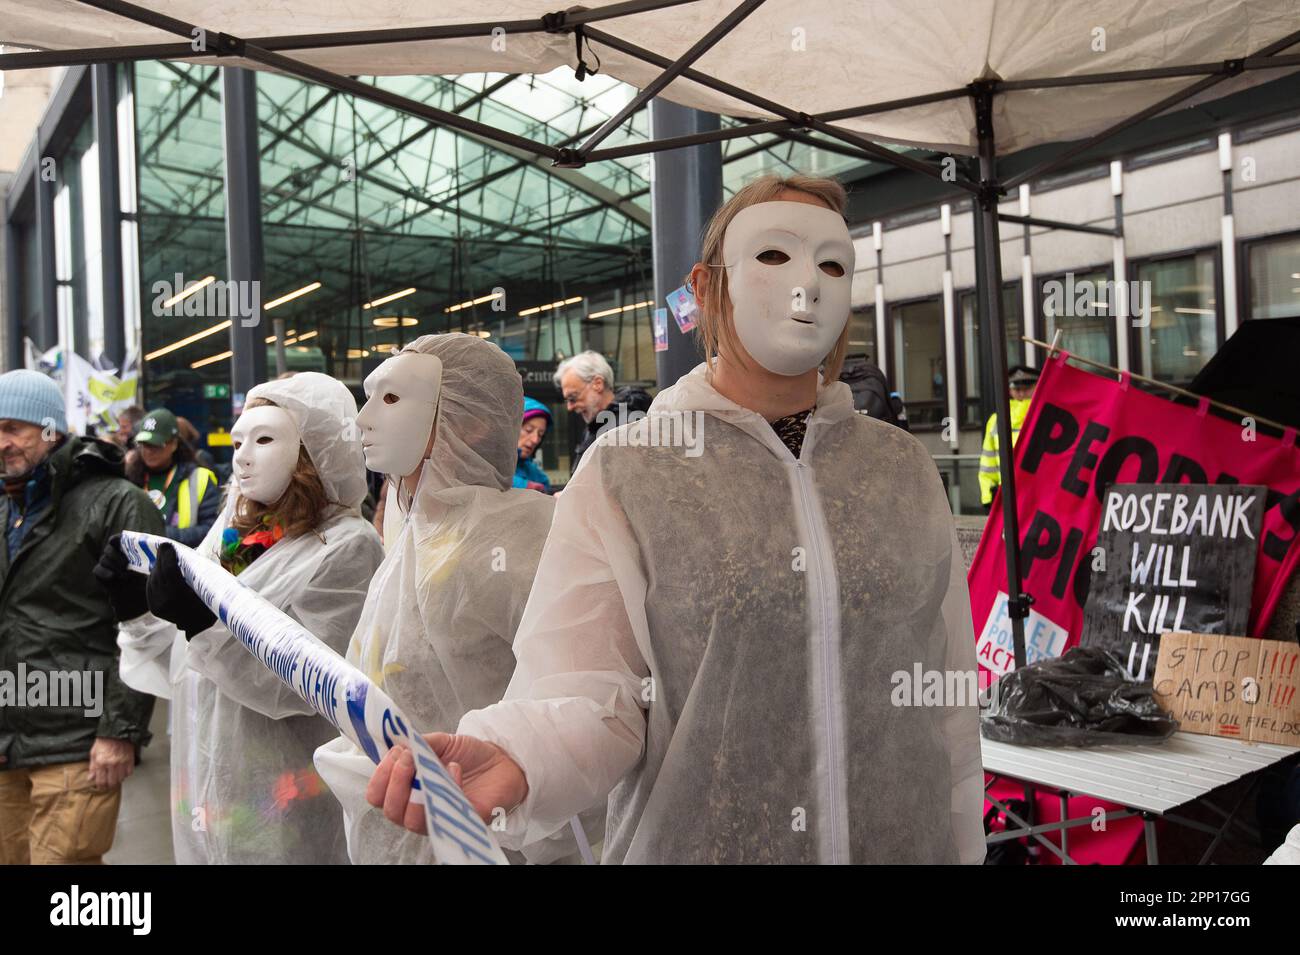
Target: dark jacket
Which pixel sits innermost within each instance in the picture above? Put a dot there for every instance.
(54, 615)
(626, 401)
(187, 462)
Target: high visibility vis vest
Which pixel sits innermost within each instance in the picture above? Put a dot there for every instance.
(190, 495)
(990, 467)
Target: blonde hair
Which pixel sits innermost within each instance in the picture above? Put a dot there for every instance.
(717, 331)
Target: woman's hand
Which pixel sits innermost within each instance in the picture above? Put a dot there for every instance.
(492, 781)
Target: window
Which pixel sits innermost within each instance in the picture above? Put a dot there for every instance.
(1273, 268)
(862, 335)
(920, 361)
(1183, 333)
(77, 246)
(972, 354)
(1078, 303)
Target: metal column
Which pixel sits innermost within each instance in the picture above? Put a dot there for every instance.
(243, 227)
(47, 267)
(14, 355)
(685, 191)
(988, 249)
(103, 79)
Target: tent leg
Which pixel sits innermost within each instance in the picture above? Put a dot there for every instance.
(988, 241)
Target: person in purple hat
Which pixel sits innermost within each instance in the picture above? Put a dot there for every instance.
(537, 421)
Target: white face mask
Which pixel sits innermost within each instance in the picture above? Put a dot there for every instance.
(401, 402)
(790, 278)
(266, 443)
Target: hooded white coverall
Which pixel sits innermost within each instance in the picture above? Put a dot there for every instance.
(714, 643)
(244, 790)
(439, 621)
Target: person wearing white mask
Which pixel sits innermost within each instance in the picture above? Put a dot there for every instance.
(714, 640)
(441, 420)
(244, 789)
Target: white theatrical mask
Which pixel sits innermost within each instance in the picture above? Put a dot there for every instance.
(790, 277)
(266, 443)
(401, 403)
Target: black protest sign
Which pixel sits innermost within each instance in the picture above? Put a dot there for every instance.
(1171, 557)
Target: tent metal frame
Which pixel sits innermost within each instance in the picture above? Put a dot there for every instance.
(980, 179)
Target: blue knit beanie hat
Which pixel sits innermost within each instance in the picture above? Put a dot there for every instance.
(29, 396)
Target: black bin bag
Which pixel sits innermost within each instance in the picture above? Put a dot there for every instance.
(1082, 698)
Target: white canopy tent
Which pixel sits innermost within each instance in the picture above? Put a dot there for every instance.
(979, 78)
(891, 70)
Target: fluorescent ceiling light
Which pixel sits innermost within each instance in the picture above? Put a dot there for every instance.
(623, 308)
(543, 308)
(209, 360)
(475, 301)
(167, 349)
(358, 353)
(188, 291)
(394, 321)
(390, 298)
(306, 335)
(1194, 311)
(291, 296)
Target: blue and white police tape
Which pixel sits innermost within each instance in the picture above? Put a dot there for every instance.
(337, 691)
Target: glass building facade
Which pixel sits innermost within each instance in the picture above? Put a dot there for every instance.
(376, 227)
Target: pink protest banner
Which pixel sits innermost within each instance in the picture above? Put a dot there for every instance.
(1084, 433)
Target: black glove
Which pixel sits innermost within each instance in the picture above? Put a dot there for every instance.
(125, 587)
(171, 598)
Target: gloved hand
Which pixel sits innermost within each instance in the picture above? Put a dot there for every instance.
(171, 598)
(125, 587)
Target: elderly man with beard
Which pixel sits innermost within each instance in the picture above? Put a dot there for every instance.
(62, 761)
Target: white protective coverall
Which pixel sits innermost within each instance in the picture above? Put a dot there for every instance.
(712, 643)
(1288, 853)
(244, 790)
(439, 621)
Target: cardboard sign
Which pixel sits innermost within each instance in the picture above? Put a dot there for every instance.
(1085, 433)
(1238, 687)
(1171, 557)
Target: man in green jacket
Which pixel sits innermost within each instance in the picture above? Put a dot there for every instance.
(70, 729)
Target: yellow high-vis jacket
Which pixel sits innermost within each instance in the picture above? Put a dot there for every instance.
(990, 469)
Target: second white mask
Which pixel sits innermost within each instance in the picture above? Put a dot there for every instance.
(266, 444)
(401, 404)
(790, 278)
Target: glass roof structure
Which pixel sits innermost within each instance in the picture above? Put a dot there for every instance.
(363, 203)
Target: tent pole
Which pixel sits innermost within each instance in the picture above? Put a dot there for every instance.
(1229, 69)
(988, 236)
(697, 50)
(1058, 224)
(560, 22)
(1157, 73)
(235, 46)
